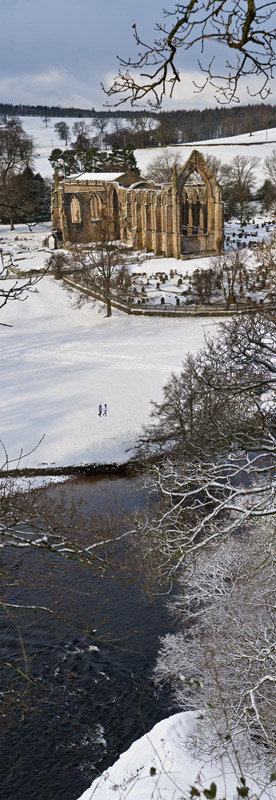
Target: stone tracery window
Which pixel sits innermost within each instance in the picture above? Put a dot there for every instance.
(195, 177)
(75, 210)
(194, 206)
(95, 206)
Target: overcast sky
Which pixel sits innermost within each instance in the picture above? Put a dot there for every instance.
(58, 51)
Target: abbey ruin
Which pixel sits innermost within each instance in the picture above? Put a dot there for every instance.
(173, 220)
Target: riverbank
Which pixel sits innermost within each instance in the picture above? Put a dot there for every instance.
(127, 469)
(89, 694)
(166, 762)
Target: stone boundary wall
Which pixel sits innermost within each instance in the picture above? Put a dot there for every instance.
(164, 310)
(174, 311)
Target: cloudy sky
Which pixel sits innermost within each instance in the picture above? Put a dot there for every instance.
(58, 51)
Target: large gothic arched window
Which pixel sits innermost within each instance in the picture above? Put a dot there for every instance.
(75, 210)
(116, 219)
(95, 206)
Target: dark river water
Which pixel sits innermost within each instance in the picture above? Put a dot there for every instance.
(90, 694)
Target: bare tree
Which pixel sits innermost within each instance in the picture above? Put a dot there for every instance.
(13, 289)
(100, 122)
(16, 154)
(16, 150)
(63, 131)
(222, 659)
(161, 168)
(246, 30)
(46, 119)
(142, 127)
(117, 124)
(215, 432)
(216, 166)
(270, 167)
(231, 274)
(214, 528)
(239, 181)
(204, 284)
(81, 128)
(102, 267)
(213, 404)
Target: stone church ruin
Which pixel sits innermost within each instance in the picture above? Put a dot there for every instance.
(174, 219)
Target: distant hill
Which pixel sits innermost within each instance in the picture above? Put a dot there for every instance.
(221, 121)
(23, 110)
(183, 125)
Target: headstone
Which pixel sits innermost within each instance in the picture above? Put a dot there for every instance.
(51, 242)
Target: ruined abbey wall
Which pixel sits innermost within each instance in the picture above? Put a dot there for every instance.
(183, 217)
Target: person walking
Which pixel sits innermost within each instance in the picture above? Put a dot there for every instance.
(105, 410)
(100, 410)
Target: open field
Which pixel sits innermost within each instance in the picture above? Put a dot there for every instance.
(59, 362)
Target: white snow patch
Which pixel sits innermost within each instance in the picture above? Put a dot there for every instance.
(24, 484)
(60, 362)
(165, 752)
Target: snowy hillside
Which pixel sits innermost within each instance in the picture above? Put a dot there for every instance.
(259, 143)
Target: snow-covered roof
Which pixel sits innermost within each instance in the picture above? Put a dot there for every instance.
(95, 176)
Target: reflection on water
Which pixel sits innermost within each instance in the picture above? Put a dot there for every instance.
(91, 692)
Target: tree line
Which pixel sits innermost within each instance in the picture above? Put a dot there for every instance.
(238, 180)
(86, 154)
(25, 110)
(24, 195)
(140, 127)
(211, 535)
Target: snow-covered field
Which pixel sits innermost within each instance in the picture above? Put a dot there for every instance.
(59, 362)
(259, 143)
(159, 766)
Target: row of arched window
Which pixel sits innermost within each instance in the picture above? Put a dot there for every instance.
(194, 212)
(95, 208)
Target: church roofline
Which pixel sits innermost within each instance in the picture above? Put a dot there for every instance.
(104, 177)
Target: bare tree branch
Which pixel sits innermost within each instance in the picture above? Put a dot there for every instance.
(245, 28)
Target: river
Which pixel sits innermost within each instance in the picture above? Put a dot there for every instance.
(91, 693)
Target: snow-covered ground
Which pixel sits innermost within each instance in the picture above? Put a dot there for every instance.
(156, 279)
(259, 143)
(159, 766)
(59, 362)
(24, 246)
